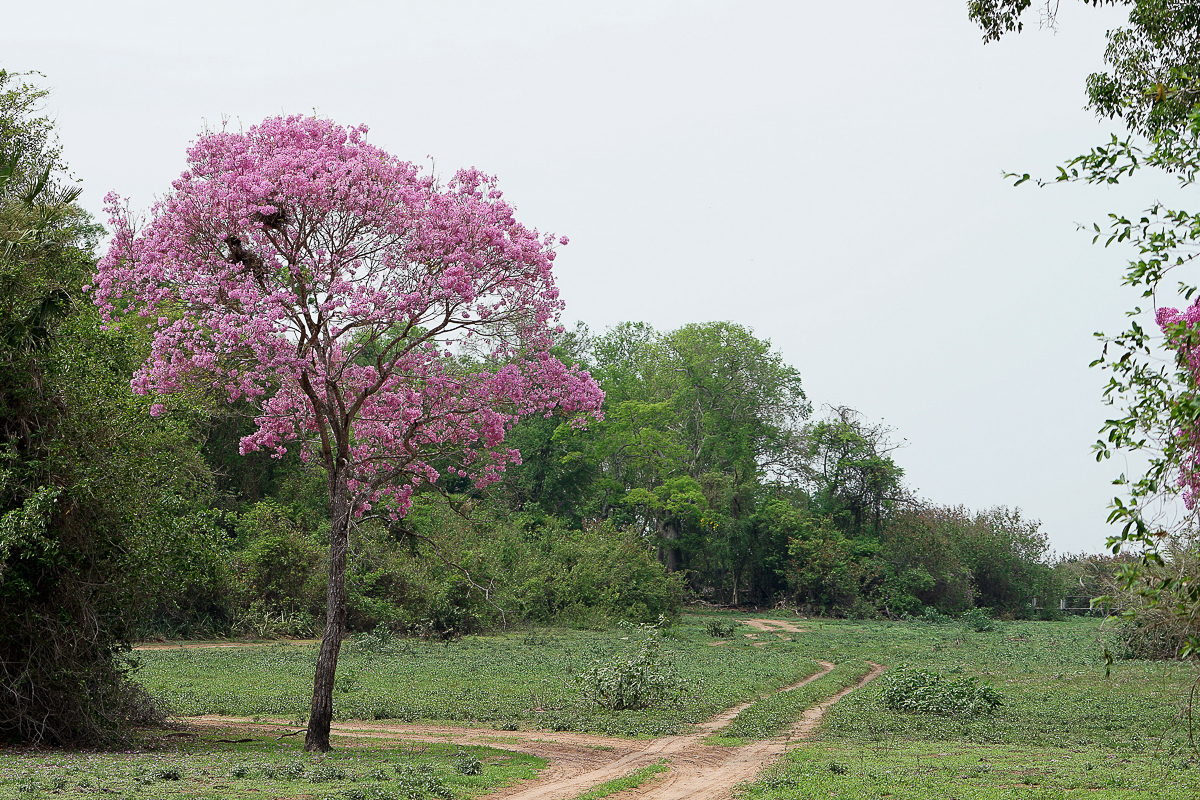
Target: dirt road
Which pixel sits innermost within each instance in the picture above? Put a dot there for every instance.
(579, 762)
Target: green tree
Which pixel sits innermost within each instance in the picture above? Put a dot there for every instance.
(696, 420)
(850, 471)
(90, 495)
(1153, 75)
(921, 549)
(1152, 87)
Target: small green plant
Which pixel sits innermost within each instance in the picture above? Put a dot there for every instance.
(780, 782)
(978, 620)
(640, 679)
(467, 764)
(379, 640)
(934, 617)
(346, 681)
(324, 773)
(414, 781)
(719, 628)
(918, 691)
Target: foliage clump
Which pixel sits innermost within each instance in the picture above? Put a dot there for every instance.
(641, 678)
(918, 691)
(94, 500)
(719, 628)
(419, 780)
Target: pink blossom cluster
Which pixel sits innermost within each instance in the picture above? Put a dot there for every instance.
(337, 289)
(1180, 328)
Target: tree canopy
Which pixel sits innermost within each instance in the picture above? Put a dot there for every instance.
(337, 290)
(1153, 75)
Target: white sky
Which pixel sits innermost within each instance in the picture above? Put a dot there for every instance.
(827, 174)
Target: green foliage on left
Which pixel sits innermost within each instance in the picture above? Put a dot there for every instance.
(93, 515)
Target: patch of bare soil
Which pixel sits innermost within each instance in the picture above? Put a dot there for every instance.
(773, 625)
(579, 762)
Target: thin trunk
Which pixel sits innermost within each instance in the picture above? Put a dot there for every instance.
(317, 738)
(668, 532)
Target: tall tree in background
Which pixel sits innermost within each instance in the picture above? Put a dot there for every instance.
(696, 419)
(337, 289)
(850, 472)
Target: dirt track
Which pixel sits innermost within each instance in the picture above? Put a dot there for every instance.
(579, 762)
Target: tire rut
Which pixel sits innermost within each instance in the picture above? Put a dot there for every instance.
(579, 762)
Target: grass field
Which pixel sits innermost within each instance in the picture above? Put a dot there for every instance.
(528, 678)
(1063, 730)
(207, 769)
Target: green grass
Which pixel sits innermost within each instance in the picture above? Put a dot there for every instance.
(524, 678)
(777, 712)
(630, 781)
(1064, 730)
(263, 768)
(912, 770)
(1050, 674)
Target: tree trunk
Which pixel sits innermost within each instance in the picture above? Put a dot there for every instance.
(669, 534)
(317, 737)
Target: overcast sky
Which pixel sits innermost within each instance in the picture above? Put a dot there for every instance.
(828, 174)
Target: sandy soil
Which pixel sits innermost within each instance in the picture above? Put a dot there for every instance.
(773, 626)
(579, 762)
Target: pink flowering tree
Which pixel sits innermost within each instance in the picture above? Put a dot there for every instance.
(339, 292)
(1182, 332)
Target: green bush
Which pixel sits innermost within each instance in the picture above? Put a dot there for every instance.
(978, 620)
(279, 563)
(417, 781)
(639, 679)
(467, 764)
(917, 691)
(935, 617)
(719, 628)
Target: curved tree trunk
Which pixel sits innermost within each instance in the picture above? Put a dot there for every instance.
(317, 737)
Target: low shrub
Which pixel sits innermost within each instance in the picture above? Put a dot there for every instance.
(467, 764)
(417, 781)
(719, 628)
(917, 691)
(978, 620)
(935, 617)
(640, 679)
